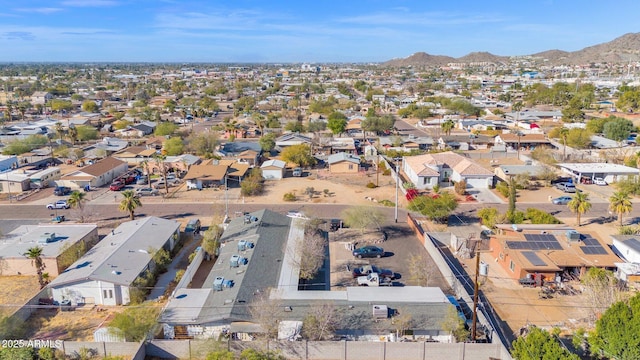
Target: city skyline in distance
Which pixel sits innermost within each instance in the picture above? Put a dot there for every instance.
(279, 31)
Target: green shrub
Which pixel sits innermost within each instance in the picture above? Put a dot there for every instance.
(289, 197)
(503, 188)
(541, 217)
(371, 185)
(386, 202)
(488, 216)
(386, 172)
(179, 275)
(460, 187)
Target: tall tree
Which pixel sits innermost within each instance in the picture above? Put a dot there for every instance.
(564, 134)
(620, 203)
(73, 134)
(616, 333)
(159, 159)
(538, 344)
(298, 154)
(76, 201)
(35, 254)
(579, 204)
(447, 126)
(130, 203)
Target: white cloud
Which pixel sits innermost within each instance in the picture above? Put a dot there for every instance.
(42, 10)
(89, 3)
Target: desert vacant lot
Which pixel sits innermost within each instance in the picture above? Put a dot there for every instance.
(16, 290)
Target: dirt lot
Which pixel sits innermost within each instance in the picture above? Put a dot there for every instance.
(77, 325)
(16, 290)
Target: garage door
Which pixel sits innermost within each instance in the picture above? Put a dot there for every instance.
(477, 182)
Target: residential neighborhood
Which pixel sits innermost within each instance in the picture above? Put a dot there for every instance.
(233, 203)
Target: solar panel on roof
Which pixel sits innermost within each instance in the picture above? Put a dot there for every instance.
(589, 241)
(598, 250)
(533, 258)
(586, 250)
(633, 244)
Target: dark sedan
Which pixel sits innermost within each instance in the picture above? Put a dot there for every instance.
(368, 252)
(368, 269)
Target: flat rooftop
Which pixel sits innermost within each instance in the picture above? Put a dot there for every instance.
(18, 241)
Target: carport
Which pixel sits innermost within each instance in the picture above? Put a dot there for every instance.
(609, 172)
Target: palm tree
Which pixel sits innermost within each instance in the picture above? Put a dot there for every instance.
(564, 132)
(130, 202)
(620, 203)
(447, 126)
(159, 158)
(579, 204)
(145, 165)
(35, 254)
(76, 201)
(59, 130)
(73, 134)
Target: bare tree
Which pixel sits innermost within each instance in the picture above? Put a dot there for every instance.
(266, 312)
(309, 254)
(402, 321)
(321, 322)
(454, 324)
(420, 270)
(601, 289)
(362, 217)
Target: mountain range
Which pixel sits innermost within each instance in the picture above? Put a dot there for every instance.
(623, 49)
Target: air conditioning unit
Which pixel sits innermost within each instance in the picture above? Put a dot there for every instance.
(234, 261)
(573, 235)
(218, 283)
(380, 311)
(47, 238)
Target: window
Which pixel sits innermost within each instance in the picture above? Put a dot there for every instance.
(107, 294)
(350, 166)
(512, 266)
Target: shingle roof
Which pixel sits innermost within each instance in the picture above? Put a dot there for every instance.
(207, 172)
(342, 156)
(102, 166)
(122, 255)
(422, 164)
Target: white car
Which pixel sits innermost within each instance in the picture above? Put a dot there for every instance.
(60, 204)
(599, 181)
(147, 191)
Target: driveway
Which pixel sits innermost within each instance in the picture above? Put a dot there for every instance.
(485, 196)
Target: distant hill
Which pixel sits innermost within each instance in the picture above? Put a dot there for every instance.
(622, 49)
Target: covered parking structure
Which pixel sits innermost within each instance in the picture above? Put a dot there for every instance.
(609, 172)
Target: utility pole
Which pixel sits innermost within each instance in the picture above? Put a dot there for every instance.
(475, 295)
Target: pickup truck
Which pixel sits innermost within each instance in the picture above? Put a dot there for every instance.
(566, 187)
(374, 279)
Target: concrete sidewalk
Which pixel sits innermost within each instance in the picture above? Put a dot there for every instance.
(165, 279)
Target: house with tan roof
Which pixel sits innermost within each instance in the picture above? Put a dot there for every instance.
(523, 141)
(548, 250)
(428, 170)
(99, 174)
(206, 175)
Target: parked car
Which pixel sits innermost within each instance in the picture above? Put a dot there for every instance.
(368, 251)
(61, 191)
(368, 269)
(562, 200)
(297, 172)
(116, 186)
(128, 178)
(142, 180)
(193, 226)
(599, 181)
(161, 185)
(566, 187)
(60, 204)
(147, 192)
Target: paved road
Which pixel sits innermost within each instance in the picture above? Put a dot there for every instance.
(179, 210)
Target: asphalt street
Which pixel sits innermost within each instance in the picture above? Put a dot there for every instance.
(180, 210)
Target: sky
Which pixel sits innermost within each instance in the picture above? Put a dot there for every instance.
(295, 31)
